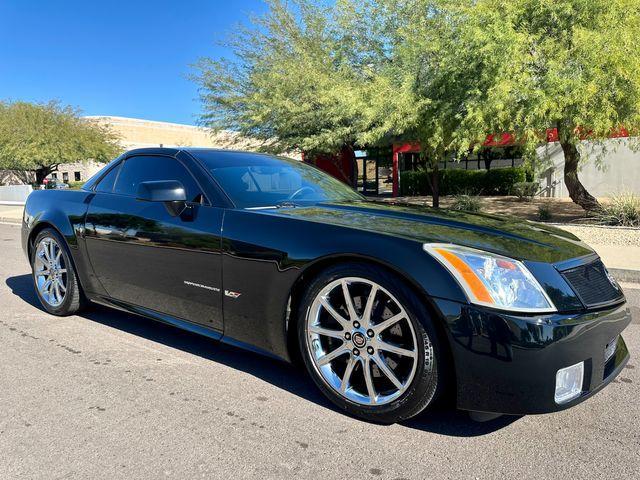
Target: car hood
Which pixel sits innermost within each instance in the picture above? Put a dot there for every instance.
(505, 235)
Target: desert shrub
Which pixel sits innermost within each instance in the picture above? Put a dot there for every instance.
(544, 213)
(525, 191)
(467, 203)
(622, 209)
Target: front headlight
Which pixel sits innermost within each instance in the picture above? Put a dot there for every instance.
(492, 280)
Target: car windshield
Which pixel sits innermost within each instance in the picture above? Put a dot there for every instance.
(254, 180)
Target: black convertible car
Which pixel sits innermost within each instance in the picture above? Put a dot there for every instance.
(389, 307)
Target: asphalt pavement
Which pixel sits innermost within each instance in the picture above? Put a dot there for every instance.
(111, 395)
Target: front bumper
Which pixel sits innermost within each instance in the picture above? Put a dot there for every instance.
(507, 364)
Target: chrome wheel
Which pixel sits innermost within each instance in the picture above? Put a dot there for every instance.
(361, 341)
(50, 272)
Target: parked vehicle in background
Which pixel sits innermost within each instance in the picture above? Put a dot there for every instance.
(55, 185)
(389, 307)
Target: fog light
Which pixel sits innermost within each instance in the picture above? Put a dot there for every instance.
(569, 383)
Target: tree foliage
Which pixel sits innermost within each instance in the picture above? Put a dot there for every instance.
(444, 73)
(541, 64)
(299, 77)
(40, 137)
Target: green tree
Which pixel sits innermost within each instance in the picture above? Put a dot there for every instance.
(314, 78)
(416, 95)
(444, 73)
(40, 137)
(539, 64)
(303, 76)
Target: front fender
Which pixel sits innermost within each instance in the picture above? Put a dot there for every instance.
(265, 256)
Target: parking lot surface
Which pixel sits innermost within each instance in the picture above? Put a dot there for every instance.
(111, 395)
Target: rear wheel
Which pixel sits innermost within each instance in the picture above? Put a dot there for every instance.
(369, 344)
(54, 276)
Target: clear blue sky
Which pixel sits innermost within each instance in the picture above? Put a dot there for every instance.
(126, 58)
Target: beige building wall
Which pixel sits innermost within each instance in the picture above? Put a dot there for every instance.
(138, 133)
(618, 170)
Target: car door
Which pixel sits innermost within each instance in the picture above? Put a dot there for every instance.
(144, 254)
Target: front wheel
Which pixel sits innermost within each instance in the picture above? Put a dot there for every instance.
(369, 343)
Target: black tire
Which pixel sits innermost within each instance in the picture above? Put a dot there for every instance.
(73, 300)
(427, 383)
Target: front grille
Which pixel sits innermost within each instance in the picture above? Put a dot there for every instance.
(592, 285)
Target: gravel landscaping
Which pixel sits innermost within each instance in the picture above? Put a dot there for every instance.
(610, 236)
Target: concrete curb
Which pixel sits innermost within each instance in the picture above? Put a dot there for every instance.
(623, 275)
(12, 221)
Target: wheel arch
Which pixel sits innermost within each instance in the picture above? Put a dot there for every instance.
(33, 234)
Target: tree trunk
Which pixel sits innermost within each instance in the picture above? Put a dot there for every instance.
(435, 186)
(576, 190)
(41, 173)
(487, 159)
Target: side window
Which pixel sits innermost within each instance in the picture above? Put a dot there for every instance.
(148, 168)
(106, 184)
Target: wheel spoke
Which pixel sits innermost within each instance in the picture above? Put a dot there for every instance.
(45, 251)
(326, 332)
(52, 249)
(339, 318)
(43, 273)
(388, 322)
(353, 316)
(347, 374)
(387, 371)
(62, 270)
(58, 295)
(58, 255)
(368, 380)
(366, 315)
(341, 350)
(388, 347)
(62, 287)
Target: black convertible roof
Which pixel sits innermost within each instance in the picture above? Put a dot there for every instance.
(195, 151)
(214, 157)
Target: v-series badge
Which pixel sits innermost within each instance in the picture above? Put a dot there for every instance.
(228, 293)
(199, 285)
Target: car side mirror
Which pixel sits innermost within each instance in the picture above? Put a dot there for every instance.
(169, 192)
(162, 191)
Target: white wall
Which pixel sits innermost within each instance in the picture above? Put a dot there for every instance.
(619, 170)
(14, 193)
